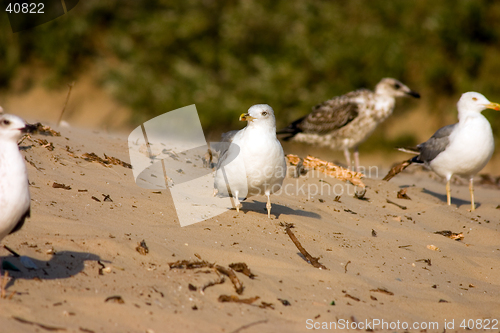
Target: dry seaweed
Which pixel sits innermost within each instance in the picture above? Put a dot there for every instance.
(238, 286)
(63, 186)
(383, 291)
(328, 168)
(220, 280)
(352, 297)
(116, 299)
(397, 169)
(402, 194)
(187, 264)
(142, 248)
(241, 267)
(264, 305)
(427, 261)
(345, 267)
(450, 234)
(236, 299)
(107, 161)
(284, 302)
(45, 144)
(38, 128)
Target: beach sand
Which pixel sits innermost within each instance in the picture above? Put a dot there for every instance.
(383, 262)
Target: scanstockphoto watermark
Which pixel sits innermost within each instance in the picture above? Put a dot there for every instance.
(320, 184)
(376, 324)
(169, 152)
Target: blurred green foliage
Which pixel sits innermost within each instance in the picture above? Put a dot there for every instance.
(224, 56)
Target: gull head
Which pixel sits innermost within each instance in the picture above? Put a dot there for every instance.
(393, 88)
(475, 102)
(259, 114)
(11, 127)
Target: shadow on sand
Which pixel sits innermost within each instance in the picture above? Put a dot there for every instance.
(61, 265)
(277, 209)
(454, 201)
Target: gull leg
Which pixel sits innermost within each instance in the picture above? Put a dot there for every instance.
(268, 205)
(471, 189)
(237, 203)
(448, 192)
(347, 157)
(356, 159)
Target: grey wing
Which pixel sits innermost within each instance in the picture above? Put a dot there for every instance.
(229, 136)
(223, 145)
(330, 115)
(436, 144)
(226, 156)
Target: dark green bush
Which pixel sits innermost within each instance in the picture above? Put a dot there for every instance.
(225, 56)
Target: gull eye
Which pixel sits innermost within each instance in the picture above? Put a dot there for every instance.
(264, 113)
(6, 122)
(397, 85)
(474, 98)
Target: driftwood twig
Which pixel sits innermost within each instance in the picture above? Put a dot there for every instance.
(314, 261)
(396, 204)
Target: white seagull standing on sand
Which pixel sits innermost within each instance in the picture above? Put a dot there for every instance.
(14, 191)
(254, 162)
(346, 121)
(461, 149)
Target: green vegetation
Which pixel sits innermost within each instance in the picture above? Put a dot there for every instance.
(225, 56)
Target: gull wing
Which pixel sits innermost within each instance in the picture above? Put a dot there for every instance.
(327, 116)
(436, 144)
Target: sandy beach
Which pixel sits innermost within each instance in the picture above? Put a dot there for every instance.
(384, 262)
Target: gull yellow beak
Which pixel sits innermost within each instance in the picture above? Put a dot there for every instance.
(246, 117)
(493, 106)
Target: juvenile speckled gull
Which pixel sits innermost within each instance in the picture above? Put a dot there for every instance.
(461, 149)
(346, 121)
(254, 162)
(14, 191)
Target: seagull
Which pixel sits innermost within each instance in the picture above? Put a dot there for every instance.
(461, 149)
(253, 161)
(346, 121)
(14, 191)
